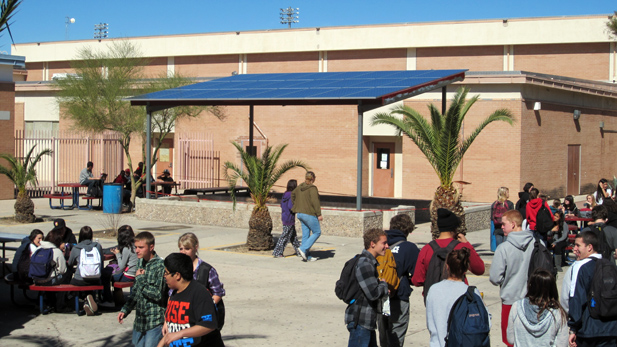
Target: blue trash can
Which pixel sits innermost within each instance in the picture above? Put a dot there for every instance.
(112, 198)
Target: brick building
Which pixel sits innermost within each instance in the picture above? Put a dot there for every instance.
(542, 69)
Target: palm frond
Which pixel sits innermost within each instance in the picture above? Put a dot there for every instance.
(440, 140)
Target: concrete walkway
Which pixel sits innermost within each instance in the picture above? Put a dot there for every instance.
(269, 302)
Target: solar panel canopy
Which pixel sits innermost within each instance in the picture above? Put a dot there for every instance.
(319, 88)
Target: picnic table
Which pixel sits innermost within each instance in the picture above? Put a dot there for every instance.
(4, 238)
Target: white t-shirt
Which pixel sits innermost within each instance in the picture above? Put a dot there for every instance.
(33, 248)
(600, 199)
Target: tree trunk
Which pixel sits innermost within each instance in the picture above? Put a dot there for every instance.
(260, 230)
(24, 208)
(448, 198)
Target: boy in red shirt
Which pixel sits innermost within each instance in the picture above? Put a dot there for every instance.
(447, 222)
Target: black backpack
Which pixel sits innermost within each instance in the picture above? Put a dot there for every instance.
(434, 272)
(97, 189)
(347, 287)
(202, 277)
(544, 221)
(603, 246)
(468, 322)
(541, 258)
(602, 297)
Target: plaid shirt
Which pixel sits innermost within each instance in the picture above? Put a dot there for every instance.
(373, 290)
(147, 297)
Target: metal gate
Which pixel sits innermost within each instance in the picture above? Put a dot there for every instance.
(199, 163)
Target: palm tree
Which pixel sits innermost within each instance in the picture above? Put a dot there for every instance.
(441, 142)
(22, 173)
(260, 175)
(8, 8)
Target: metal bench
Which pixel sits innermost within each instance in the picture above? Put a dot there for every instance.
(64, 288)
(61, 198)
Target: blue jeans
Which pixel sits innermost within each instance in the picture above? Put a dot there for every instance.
(499, 239)
(361, 337)
(148, 338)
(309, 224)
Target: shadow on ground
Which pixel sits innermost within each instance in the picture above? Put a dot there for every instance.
(323, 254)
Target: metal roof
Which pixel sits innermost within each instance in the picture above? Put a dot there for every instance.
(376, 88)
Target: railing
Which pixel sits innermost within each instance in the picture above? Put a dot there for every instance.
(71, 152)
(198, 163)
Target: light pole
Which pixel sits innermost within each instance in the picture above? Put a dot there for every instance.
(100, 30)
(67, 20)
(290, 15)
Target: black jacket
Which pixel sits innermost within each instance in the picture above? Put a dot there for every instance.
(406, 255)
(521, 204)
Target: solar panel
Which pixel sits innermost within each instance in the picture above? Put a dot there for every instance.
(348, 87)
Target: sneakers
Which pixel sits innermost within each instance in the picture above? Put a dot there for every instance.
(90, 306)
(312, 258)
(302, 254)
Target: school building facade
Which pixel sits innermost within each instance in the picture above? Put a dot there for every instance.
(544, 70)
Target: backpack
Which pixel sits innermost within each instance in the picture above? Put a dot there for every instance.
(90, 263)
(347, 287)
(541, 258)
(499, 208)
(97, 189)
(544, 221)
(602, 297)
(23, 264)
(42, 264)
(468, 322)
(434, 272)
(203, 273)
(603, 246)
(386, 270)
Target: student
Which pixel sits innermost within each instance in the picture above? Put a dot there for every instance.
(559, 240)
(191, 317)
(85, 243)
(442, 295)
(498, 208)
(204, 273)
(126, 264)
(538, 320)
(393, 328)
(523, 199)
(535, 203)
(59, 274)
(289, 223)
(166, 177)
(447, 222)
(361, 316)
(510, 265)
(590, 201)
(147, 298)
(569, 207)
(21, 260)
(584, 329)
(602, 191)
(305, 200)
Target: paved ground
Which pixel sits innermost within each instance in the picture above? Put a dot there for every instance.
(269, 302)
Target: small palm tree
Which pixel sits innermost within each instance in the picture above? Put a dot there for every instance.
(8, 8)
(260, 175)
(22, 173)
(441, 142)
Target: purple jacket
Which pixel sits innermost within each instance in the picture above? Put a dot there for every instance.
(288, 217)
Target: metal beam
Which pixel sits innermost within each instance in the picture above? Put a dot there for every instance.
(359, 158)
(444, 90)
(148, 149)
(251, 122)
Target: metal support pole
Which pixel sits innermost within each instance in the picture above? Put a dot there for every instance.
(443, 100)
(251, 122)
(148, 149)
(359, 159)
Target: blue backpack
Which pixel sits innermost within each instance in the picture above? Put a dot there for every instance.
(468, 323)
(42, 264)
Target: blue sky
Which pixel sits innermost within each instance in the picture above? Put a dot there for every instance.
(44, 20)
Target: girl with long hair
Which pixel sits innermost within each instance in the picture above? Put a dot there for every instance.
(603, 191)
(442, 296)
(204, 273)
(289, 223)
(559, 239)
(538, 320)
(498, 208)
(124, 270)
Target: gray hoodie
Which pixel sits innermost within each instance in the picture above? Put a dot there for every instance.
(525, 328)
(88, 245)
(510, 265)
